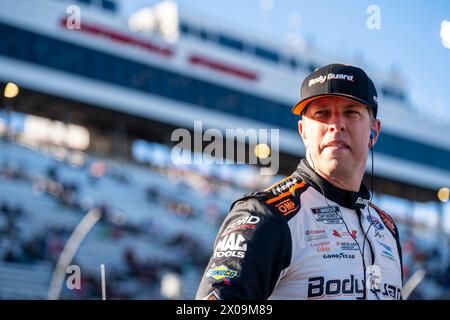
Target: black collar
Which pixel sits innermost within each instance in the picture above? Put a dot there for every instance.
(345, 198)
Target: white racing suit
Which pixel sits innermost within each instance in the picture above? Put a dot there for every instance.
(303, 238)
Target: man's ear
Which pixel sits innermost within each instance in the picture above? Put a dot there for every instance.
(301, 130)
(376, 127)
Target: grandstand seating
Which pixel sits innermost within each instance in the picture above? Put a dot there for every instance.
(135, 231)
(42, 211)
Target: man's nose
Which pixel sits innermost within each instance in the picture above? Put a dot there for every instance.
(337, 122)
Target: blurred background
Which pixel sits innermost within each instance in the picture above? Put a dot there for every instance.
(92, 90)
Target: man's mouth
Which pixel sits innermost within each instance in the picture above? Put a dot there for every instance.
(337, 144)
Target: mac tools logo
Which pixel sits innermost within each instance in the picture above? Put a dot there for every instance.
(232, 245)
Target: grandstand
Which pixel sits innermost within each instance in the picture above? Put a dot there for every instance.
(155, 231)
(91, 128)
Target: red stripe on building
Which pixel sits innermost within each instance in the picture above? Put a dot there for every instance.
(223, 67)
(119, 37)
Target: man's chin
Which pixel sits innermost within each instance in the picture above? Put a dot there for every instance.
(338, 166)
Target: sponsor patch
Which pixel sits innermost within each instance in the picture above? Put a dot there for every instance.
(327, 215)
(317, 231)
(286, 207)
(316, 237)
(232, 245)
(283, 186)
(330, 76)
(375, 222)
(323, 246)
(339, 256)
(221, 273)
(341, 234)
(313, 235)
(239, 228)
(347, 246)
(379, 235)
(249, 222)
(387, 220)
(228, 254)
(387, 251)
(321, 243)
(232, 241)
(375, 99)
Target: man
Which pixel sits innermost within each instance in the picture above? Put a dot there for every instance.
(315, 234)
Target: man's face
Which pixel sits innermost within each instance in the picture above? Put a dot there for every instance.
(336, 131)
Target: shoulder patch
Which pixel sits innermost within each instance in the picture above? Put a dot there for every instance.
(387, 220)
(283, 197)
(283, 185)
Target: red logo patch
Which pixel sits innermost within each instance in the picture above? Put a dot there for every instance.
(286, 207)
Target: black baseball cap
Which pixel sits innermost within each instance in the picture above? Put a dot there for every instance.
(338, 80)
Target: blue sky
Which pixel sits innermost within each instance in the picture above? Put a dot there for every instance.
(409, 36)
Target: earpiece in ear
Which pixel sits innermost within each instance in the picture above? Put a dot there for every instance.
(372, 136)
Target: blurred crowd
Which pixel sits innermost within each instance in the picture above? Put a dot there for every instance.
(141, 277)
(47, 242)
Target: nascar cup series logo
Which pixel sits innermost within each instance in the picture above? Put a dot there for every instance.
(330, 76)
(327, 215)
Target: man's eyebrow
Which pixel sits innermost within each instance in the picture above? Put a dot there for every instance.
(320, 105)
(354, 105)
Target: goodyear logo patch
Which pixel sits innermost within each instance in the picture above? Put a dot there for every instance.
(221, 272)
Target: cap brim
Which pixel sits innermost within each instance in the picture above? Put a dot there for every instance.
(300, 106)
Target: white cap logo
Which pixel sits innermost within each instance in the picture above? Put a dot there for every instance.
(330, 76)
